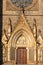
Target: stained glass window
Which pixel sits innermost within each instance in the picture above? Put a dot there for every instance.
(21, 3)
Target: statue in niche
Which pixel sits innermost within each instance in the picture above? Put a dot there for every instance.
(5, 38)
(36, 32)
(4, 43)
(7, 34)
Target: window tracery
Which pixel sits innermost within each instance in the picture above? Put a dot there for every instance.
(20, 3)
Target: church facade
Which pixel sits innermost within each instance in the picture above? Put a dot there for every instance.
(22, 31)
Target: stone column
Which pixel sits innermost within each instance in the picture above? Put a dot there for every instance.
(42, 55)
(15, 55)
(8, 54)
(27, 55)
(35, 54)
(3, 54)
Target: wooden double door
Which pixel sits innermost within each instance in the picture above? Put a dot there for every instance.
(21, 56)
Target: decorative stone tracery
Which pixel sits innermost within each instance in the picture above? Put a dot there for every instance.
(22, 30)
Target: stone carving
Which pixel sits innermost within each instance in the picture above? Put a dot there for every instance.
(5, 39)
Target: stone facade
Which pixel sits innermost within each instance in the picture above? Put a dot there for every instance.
(16, 25)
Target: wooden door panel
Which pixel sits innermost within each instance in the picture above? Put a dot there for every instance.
(21, 56)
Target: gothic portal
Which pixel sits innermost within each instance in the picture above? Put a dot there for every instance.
(21, 38)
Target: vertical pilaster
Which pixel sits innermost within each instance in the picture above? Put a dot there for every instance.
(8, 54)
(35, 54)
(27, 55)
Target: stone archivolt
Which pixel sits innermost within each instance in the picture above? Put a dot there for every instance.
(22, 29)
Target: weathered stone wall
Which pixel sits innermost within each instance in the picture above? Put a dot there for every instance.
(36, 12)
(30, 20)
(30, 15)
(29, 12)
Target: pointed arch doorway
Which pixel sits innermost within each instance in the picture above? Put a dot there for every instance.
(22, 40)
(21, 55)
